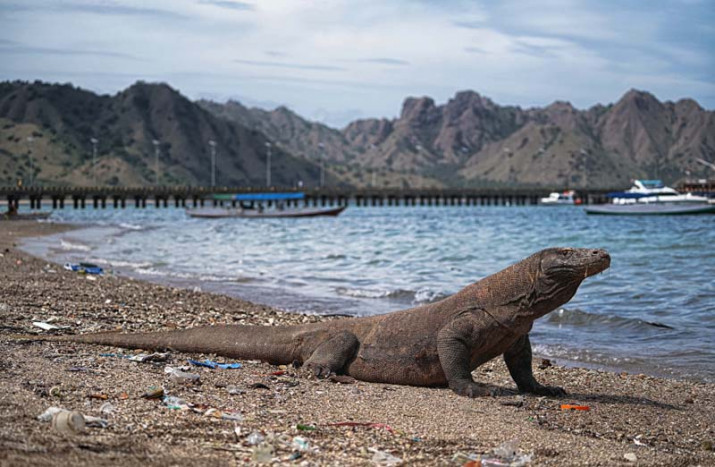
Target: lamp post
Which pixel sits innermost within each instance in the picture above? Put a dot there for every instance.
(30, 139)
(212, 144)
(94, 142)
(156, 144)
(322, 164)
(268, 164)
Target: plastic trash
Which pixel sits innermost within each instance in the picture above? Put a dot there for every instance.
(152, 357)
(302, 427)
(506, 454)
(47, 415)
(213, 365)
(45, 326)
(384, 458)
(68, 422)
(263, 453)
(300, 443)
(106, 409)
(96, 422)
(84, 268)
(575, 407)
(55, 391)
(175, 403)
(177, 376)
(630, 457)
(255, 438)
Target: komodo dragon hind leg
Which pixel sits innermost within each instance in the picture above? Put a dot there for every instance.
(518, 360)
(332, 355)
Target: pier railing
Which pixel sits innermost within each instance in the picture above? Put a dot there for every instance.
(190, 196)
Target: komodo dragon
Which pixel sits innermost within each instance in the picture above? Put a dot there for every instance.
(431, 345)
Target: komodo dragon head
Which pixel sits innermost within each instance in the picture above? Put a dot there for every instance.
(561, 271)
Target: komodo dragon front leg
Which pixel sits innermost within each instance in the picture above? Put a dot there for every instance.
(333, 354)
(456, 343)
(518, 360)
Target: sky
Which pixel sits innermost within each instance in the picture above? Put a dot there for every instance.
(335, 60)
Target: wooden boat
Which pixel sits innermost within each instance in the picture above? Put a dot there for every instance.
(251, 206)
(217, 213)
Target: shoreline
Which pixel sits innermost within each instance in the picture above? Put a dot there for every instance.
(659, 421)
(254, 292)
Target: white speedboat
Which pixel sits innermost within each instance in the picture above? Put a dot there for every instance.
(652, 197)
(567, 198)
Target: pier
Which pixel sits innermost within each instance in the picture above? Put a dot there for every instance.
(184, 196)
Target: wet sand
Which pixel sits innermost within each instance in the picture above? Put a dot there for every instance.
(633, 419)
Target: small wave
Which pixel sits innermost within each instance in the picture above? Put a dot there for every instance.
(69, 246)
(428, 296)
(582, 318)
(375, 293)
(128, 226)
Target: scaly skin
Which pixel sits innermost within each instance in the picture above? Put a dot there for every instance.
(432, 345)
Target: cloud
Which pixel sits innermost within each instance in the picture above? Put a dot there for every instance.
(385, 61)
(231, 5)
(295, 66)
(12, 47)
(109, 8)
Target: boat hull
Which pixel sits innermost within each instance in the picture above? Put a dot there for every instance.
(221, 213)
(650, 209)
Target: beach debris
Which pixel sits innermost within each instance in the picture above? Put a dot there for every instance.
(630, 457)
(106, 409)
(263, 453)
(383, 457)
(300, 443)
(258, 386)
(177, 376)
(545, 363)
(255, 438)
(47, 415)
(175, 403)
(100, 396)
(45, 326)
(55, 391)
(95, 422)
(84, 268)
(154, 392)
(505, 455)
(68, 422)
(302, 427)
(365, 424)
(213, 365)
(584, 408)
(141, 357)
(235, 390)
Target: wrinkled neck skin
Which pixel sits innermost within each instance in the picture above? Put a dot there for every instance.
(521, 293)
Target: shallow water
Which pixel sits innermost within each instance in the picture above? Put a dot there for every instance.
(652, 311)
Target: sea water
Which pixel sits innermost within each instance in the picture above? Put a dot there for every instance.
(653, 311)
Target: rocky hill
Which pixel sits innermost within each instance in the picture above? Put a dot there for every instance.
(48, 128)
(470, 140)
(467, 141)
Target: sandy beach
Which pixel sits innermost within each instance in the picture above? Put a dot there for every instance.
(633, 419)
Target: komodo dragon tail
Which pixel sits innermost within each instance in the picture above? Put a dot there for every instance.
(265, 343)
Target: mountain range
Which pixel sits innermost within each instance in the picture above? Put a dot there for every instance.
(467, 141)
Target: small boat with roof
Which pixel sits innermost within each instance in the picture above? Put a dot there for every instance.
(652, 197)
(263, 206)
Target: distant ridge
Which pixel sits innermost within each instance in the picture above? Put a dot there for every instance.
(468, 141)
